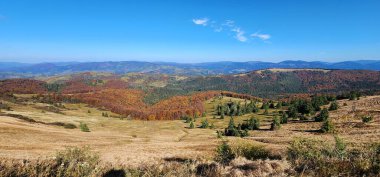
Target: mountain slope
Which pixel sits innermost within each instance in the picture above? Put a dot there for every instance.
(275, 83)
(211, 68)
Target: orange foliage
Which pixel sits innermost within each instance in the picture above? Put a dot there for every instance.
(129, 102)
(122, 101)
(316, 81)
(177, 106)
(22, 86)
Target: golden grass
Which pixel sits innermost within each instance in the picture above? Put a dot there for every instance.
(133, 142)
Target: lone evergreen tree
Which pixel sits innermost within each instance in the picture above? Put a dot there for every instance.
(327, 126)
(266, 110)
(322, 116)
(284, 119)
(251, 124)
(333, 106)
(279, 105)
(204, 124)
(276, 125)
(191, 126)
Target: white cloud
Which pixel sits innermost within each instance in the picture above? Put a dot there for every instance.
(239, 35)
(229, 23)
(201, 21)
(261, 36)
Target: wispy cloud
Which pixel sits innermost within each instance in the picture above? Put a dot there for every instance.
(201, 21)
(229, 23)
(239, 35)
(220, 29)
(261, 36)
(230, 26)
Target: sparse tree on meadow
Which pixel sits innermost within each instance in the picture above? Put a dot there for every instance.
(322, 116)
(333, 106)
(191, 126)
(276, 124)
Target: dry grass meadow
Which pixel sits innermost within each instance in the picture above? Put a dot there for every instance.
(133, 142)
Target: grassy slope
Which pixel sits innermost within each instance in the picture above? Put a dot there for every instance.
(133, 142)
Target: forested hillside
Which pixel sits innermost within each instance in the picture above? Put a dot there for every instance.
(278, 83)
(147, 96)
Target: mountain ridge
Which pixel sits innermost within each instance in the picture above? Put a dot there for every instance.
(196, 69)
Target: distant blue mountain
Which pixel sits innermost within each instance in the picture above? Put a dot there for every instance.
(209, 68)
(7, 65)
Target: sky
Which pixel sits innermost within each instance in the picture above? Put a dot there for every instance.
(189, 31)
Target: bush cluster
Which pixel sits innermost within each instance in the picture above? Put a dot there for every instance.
(233, 130)
(317, 158)
(367, 118)
(251, 124)
(84, 127)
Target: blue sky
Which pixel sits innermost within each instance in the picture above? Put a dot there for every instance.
(189, 31)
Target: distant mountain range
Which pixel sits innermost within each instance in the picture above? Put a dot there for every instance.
(14, 69)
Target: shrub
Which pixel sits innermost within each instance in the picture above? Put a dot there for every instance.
(317, 158)
(327, 126)
(340, 147)
(251, 124)
(275, 125)
(322, 116)
(266, 111)
(250, 150)
(208, 170)
(284, 119)
(219, 134)
(292, 112)
(232, 130)
(272, 106)
(304, 154)
(187, 119)
(191, 126)
(204, 124)
(279, 105)
(367, 119)
(255, 152)
(76, 162)
(224, 154)
(84, 127)
(333, 106)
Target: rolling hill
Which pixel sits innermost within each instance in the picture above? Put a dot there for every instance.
(276, 83)
(11, 70)
(154, 96)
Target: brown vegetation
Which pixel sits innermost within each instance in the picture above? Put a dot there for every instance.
(22, 86)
